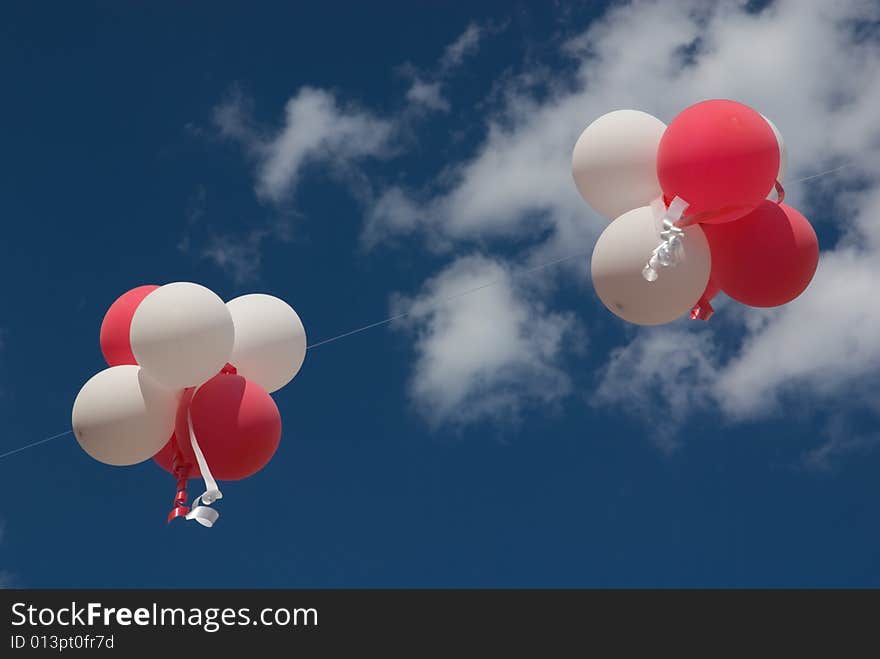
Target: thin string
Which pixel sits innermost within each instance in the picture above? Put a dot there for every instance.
(827, 171)
(42, 441)
(446, 300)
(436, 305)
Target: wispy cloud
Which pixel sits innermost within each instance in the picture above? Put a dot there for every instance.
(317, 129)
(486, 356)
(239, 257)
(661, 376)
(428, 87)
(466, 44)
(428, 95)
(240, 254)
(843, 439)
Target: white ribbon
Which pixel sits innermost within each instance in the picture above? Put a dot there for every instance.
(670, 251)
(204, 515)
(200, 511)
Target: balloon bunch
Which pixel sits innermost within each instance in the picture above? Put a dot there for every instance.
(189, 384)
(699, 208)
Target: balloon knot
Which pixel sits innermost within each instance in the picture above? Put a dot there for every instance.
(703, 310)
(780, 192)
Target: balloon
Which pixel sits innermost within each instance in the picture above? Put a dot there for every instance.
(270, 341)
(182, 334)
(236, 424)
(783, 154)
(614, 163)
(621, 253)
(767, 258)
(721, 157)
(115, 344)
(121, 416)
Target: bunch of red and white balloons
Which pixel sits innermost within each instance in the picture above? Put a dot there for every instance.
(188, 384)
(699, 209)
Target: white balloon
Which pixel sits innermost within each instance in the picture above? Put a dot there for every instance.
(121, 416)
(614, 162)
(621, 253)
(270, 340)
(783, 156)
(182, 334)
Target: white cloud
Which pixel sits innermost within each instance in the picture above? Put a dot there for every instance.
(233, 118)
(661, 376)
(812, 67)
(825, 341)
(239, 257)
(486, 355)
(427, 94)
(317, 129)
(427, 90)
(240, 254)
(466, 44)
(842, 441)
(393, 214)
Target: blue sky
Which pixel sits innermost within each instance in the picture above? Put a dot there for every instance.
(359, 161)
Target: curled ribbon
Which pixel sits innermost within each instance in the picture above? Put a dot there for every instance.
(670, 251)
(201, 510)
(780, 192)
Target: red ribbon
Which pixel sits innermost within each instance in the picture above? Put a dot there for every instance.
(703, 310)
(181, 470)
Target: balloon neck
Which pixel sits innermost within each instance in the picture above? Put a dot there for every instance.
(229, 369)
(180, 509)
(181, 468)
(703, 310)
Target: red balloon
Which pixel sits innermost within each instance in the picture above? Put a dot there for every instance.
(115, 343)
(721, 157)
(236, 423)
(765, 259)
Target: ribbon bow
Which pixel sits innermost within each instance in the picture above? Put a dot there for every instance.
(670, 251)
